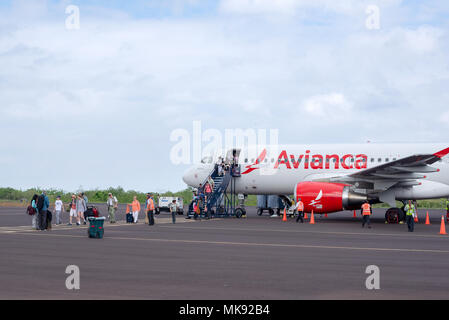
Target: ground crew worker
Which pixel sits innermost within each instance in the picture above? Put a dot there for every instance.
(300, 208)
(366, 213)
(150, 209)
(410, 212)
(173, 209)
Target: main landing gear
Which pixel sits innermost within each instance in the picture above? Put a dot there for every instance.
(394, 215)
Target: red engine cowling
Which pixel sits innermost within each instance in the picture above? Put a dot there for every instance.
(325, 197)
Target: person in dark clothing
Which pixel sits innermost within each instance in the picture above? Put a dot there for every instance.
(42, 205)
(300, 208)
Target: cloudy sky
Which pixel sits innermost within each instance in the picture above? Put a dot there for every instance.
(95, 106)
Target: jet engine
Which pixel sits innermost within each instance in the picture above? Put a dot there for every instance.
(325, 197)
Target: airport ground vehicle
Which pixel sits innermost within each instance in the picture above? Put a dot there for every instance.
(164, 202)
(332, 178)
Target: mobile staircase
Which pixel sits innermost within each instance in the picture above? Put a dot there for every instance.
(222, 201)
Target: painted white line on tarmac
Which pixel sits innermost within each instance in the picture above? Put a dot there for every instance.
(14, 229)
(408, 234)
(242, 244)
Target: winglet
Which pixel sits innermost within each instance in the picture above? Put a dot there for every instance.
(442, 153)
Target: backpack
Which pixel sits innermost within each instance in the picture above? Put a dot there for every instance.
(31, 211)
(40, 202)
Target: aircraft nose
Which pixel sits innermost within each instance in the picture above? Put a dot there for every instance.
(189, 177)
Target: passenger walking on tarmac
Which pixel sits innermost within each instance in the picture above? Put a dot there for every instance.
(42, 206)
(300, 208)
(366, 213)
(34, 205)
(173, 209)
(150, 209)
(112, 204)
(135, 205)
(59, 206)
(73, 212)
(80, 209)
(410, 212)
(86, 200)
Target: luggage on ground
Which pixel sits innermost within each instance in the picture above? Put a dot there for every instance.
(96, 229)
(91, 212)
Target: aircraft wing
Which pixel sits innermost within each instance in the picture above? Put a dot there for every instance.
(403, 172)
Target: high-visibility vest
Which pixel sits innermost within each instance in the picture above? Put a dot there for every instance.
(409, 210)
(366, 209)
(300, 206)
(150, 204)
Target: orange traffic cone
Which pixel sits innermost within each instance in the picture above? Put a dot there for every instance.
(416, 217)
(305, 215)
(427, 218)
(285, 215)
(355, 216)
(312, 219)
(443, 226)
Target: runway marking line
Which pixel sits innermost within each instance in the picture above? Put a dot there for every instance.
(246, 243)
(317, 232)
(14, 229)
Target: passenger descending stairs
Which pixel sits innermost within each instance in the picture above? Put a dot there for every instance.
(220, 185)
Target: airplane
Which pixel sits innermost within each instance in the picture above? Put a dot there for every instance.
(333, 178)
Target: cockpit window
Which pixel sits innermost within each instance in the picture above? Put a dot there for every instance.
(206, 160)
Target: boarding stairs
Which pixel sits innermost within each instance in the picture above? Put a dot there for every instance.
(221, 201)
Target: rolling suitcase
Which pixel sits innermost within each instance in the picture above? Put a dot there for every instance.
(96, 229)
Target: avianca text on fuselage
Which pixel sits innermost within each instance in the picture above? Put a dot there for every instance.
(310, 161)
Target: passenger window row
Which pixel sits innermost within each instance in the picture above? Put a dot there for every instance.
(333, 160)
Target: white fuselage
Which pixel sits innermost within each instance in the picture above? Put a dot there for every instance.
(280, 168)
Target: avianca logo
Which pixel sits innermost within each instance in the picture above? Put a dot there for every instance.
(317, 199)
(259, 159)
(313, 161)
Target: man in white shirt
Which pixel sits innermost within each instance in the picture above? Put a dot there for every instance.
(59, 206)
(112, 207)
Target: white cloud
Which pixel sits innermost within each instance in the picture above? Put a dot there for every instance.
(291, 7)
(331, 106)
(445, 118)
(130, 82)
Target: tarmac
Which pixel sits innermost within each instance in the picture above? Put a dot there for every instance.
(254, 258)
